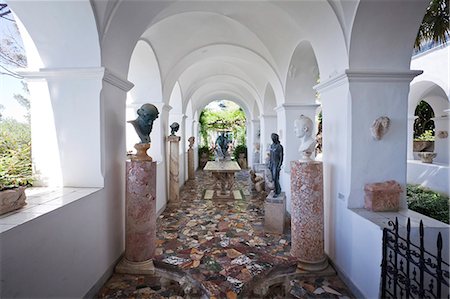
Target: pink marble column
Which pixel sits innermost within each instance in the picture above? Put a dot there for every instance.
(174, 169)
(140, 218)
(307, 215)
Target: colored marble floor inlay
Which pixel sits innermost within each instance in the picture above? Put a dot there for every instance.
(211, 248)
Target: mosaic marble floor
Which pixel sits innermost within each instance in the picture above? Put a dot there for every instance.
(218, 249)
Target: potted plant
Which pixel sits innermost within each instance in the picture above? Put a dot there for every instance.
(15, 165)
(11, 198)
(204, 154)
(425, 142)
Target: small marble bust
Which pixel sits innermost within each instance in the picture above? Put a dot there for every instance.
(191, 142)
(303, 128)
(143, 124)
(174, 127)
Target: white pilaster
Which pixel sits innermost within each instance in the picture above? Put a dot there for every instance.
(254, 138)
(286, 115)
(268, 126)
(372, 93)
(410, 136)
(66, 126)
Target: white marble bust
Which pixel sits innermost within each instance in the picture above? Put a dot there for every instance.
(303, 128)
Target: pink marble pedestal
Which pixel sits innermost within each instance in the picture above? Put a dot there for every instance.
(140, 218)
(174, 170)
(307, 215)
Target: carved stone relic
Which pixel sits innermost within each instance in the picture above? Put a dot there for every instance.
(380, 127)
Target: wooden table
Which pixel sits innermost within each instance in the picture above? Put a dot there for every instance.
(224, 172)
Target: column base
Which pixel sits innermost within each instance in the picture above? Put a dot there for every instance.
(127, 267)
(313, 266)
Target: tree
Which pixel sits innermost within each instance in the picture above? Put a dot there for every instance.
(24, 101)
(229, 119)
(12, 52)
(424, 121)
(435, 24)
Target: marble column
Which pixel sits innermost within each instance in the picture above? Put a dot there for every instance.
(191, 169)
(174, 170)
(307, 217)
(140, 218)
(268, 125)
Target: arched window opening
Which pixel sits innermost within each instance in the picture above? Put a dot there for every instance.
(424, 128)
(222, 119)
(15, 128)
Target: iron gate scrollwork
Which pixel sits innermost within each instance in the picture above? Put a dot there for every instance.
(410, 271)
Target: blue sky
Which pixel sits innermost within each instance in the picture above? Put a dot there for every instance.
(8, 87)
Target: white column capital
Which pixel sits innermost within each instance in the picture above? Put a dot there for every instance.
(287, 107)
(367, 76)
(117, 81)
(266, 116)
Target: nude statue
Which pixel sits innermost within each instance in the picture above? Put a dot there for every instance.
(143, 124)
(303, 128)
(275, 162)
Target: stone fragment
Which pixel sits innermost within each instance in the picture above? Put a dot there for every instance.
(309, 287)
(297, 291)
(241, 260)
(233, 253)
(382, 197)
(236, 283)
(174, 260)
(319, 291)
(231, 295)
(331, 291)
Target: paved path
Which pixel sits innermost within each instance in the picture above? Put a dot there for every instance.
(221, 246)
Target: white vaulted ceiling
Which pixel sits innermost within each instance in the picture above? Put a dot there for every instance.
(236, 48)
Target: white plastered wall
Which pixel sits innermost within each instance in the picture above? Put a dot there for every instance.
(71, 247)
(176, 115)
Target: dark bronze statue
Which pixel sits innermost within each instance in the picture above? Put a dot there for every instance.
(143, 124)
(275, 162)
(222, 145)
(174, 127)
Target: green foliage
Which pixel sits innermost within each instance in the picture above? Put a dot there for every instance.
(238, 150)
(232, 120)
(435, 24)
(205, 149)
(427, 202)
(15, 154)
(424, 121)
(426, 136)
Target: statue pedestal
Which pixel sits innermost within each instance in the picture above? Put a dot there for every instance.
(140, 218)
(141, 152)
(191, 168)
(174, 170)
(307, 236)
(274, 213)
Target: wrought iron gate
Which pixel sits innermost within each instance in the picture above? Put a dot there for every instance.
(410, 271)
